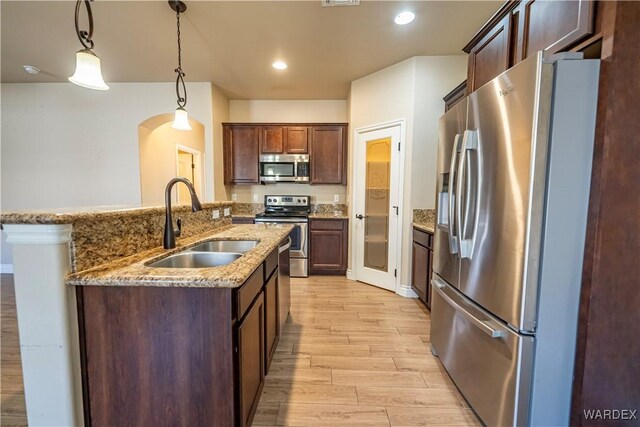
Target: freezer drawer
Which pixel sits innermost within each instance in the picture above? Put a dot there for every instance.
(490, 364)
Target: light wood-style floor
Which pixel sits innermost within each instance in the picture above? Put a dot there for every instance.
(355, 354)
(12, 408)
(350, 354)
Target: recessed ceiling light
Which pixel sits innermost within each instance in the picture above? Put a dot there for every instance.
(404, 18)
(279, 65)
(31, 69)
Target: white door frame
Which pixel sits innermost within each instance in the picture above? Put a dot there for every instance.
(200, 182)
(354, 179)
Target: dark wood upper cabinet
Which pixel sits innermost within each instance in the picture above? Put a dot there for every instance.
(328, 155)
(241, 154)
(490, 55)
(521, 28)
(297, 139)
(453, 97)
(272, 139)
(325, 143)
(551, 25)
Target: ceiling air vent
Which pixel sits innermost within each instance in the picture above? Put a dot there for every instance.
(340, 2)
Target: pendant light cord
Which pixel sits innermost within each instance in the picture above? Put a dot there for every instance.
(85, 36)
(182, 101)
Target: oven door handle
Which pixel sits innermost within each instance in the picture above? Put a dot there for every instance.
(292, 221)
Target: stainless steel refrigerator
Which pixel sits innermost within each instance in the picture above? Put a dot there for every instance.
(514, 170)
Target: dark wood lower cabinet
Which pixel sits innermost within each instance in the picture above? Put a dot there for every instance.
(251, 360)
(328, 240)
(177, 356)
(421, 265)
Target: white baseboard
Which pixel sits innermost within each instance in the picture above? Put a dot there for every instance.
(6, 268)
(350, 275)
(406, 291)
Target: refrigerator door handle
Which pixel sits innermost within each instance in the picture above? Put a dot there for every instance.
(467, 179)
(453, 242)
(488, 326)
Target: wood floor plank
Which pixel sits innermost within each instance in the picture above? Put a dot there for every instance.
(417, 364)
(377, 378)
(351, 350)
(400, 416)
(331, 415)
(266, 414)
(325, 339)
(285, 375)
(400, 350)
(292, 361)
(358, 338)
(368, 329)
(397, 396)
(310, 393)
(354, 363)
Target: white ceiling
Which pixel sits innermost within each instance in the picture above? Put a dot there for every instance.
(233, 43)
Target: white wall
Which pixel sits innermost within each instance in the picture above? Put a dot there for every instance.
(66, 146)
(321, 111)
(273, 111)
(411, 90)
(220, 104)
(435, 77)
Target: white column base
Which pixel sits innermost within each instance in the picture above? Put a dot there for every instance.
(47, 320)
(350, 275)
(406, 291)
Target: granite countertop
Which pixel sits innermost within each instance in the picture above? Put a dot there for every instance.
(243, 215)
(328, 215)
(132, 271)
(97, 213)
(426, 226)
(317, 215)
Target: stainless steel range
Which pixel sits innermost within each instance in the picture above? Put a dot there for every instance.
(292, 210)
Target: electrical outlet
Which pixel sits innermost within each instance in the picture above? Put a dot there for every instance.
(255, 197)
(215, 214)
(234, 197)
(336, 198)
(227, 211)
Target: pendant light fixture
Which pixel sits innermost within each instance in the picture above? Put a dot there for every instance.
(88, 73)
(181, 119)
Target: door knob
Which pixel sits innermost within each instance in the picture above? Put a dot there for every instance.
(361, 216)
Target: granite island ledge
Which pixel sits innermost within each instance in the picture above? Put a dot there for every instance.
(133, 271)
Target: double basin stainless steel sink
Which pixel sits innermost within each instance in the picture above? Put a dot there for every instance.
(208, 254)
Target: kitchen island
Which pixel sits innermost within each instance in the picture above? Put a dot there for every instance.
(173, 346)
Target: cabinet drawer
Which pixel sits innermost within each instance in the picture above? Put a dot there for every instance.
(270, 264)
(327, 224)
(422, 238)
(247, 293)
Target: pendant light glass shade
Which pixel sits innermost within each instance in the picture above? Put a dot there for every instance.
(88, 73)
(181, 120)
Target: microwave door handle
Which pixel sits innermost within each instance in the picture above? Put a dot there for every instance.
(453, 243)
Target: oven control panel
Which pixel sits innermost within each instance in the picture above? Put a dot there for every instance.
(286, 200)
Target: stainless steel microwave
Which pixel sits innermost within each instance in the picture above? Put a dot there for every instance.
(284, 168)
